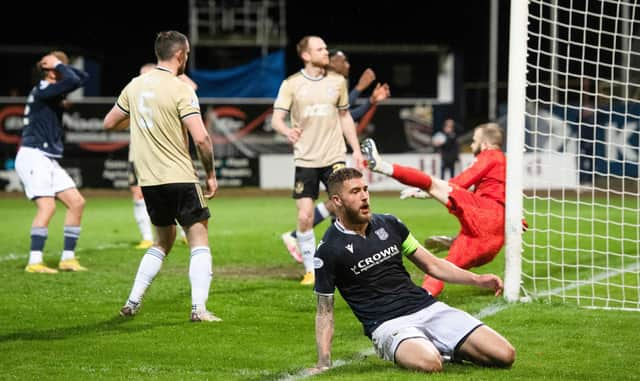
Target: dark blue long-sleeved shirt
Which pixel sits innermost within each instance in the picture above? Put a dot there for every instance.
(42, 127)
(358, 111)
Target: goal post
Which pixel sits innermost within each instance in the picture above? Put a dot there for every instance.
(515, 142)
(573, 137)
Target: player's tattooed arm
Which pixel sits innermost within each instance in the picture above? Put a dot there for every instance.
(206, 157)
(324, 331)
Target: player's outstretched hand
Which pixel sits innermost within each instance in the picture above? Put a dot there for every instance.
(380, 93)
(413, 193)
(366, 79)
(490, 281)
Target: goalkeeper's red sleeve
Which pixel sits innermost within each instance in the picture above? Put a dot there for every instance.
(412, 177)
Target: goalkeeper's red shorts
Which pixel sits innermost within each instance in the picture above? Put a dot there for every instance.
(481, 228)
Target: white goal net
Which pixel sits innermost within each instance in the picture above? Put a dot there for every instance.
(575, 68)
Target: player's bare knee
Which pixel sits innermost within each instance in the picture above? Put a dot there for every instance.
(305, 221)
(47, 210)
(419, 357)
(430, 364)
(505, 356)
(78, 204)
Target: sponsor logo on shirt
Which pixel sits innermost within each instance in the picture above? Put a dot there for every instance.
(349, 247)
(317, 110)
(375, 259)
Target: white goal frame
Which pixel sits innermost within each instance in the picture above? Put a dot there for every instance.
(583, 242)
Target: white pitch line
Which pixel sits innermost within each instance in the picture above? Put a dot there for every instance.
(14, 256)
(597, 278)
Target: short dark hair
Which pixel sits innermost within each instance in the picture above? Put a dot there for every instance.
(168, 43)
(333, 53)
(335, 180)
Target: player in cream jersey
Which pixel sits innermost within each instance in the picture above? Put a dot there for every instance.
(315, 112)
(317, 103)
(159, 143)
(139, 207)
(160, 110)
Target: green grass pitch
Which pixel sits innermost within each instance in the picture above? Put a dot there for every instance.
(66, 326)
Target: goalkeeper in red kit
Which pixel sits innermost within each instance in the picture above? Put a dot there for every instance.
(475, 197)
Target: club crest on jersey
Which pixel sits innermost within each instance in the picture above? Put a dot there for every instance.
(337, 166)
(382, 234)
(349, 247)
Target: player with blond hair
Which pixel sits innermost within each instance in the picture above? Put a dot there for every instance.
(317, 102)
(37, 164)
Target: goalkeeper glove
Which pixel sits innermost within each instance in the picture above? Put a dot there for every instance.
(414, 192)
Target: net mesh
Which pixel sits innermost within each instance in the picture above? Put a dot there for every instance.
(581, 186)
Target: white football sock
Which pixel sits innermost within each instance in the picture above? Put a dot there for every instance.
(200, 275)
(67, 254)
(149, 267)
(307, 245)
(385, 168)
(35, 257)
(322, 209)
(142, 219)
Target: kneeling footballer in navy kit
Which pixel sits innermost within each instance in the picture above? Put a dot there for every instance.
(361, 255)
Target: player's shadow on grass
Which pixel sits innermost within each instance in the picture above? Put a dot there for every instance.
(115, 324)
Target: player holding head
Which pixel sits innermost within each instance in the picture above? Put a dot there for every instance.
(361, 256)
(317, 104)
(480, 211)
(161, 110)
(37, 165)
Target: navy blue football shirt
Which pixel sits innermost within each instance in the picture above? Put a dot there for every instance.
(369, 271)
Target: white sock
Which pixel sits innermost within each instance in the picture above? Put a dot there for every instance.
(307, 245)
(200, 275)
(322, 209)
(142, 219)
(35, 257)
(385, 168)
(149, 267)
(67, 254)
